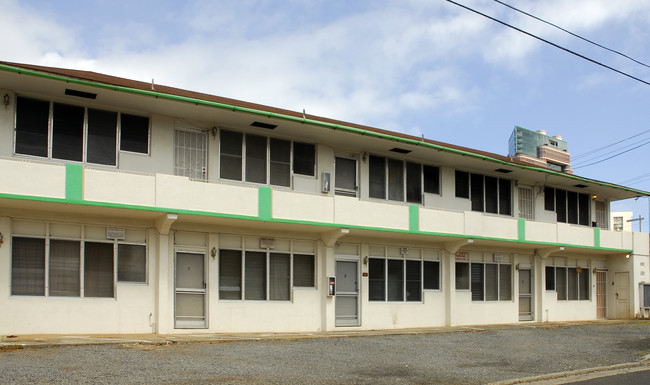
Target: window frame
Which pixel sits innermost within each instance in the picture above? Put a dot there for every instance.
(578, 212)
(268, 272)
(562, 276)
(50, 140)
(243, 158)
(80, 270)
(489, 198)
(477, 274)
(386, 182)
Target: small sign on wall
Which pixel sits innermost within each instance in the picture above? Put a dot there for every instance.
(114, 232)
(461, 256)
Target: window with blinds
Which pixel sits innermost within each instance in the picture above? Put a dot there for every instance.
(75, 268)
(570, 283)
(400, 279)
(260, 275)
(486, 281)
(397, 180)
(486, 193)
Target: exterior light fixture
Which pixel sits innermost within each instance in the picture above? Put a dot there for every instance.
(213, 252)
(1, 239)
(6, 100)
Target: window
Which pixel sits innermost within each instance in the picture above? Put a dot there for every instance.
(486, 281)
(618, 224)
(80, 134)
(526, 203)
(134, 133)
(570, 283)
(131, 263)
(431, 275)
(345, 176)
(569, 206)
(27, 266)
(263, 275)
(74, 268)
(401, 181)
(303, 270)
(259, 159)
(400, 280)
(487, 194)
(602, 217)
(462, 276)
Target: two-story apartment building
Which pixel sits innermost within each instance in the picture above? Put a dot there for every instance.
(131, 207)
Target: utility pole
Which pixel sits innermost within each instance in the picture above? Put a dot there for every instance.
(639, 219)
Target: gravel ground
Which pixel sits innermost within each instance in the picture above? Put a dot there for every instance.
(459, 357)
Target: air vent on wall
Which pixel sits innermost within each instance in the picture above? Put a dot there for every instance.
(400, 150)
(264, 125)
(503, 170)
(580, 186)
(80, 94)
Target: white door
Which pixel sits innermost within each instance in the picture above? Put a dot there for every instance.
(189, 302)
(190, 154)
(525, 295)
(621, 285)
(347, 294)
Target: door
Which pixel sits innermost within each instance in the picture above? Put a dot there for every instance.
(525, 295)
(189, 303)
(347, 294)
(601, 294)
(190, 153)
(345, 176)
(621, 285)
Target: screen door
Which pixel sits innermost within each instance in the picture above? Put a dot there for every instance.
(190, 285)
(347, 293)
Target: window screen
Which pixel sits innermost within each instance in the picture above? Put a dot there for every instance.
(231, 155)
(431, 179)
(491, 195)
(67, 132)
(550, 278)
(413, 281)
(549, 198)
(395, 280)
(572, 283)
(229, 274)
(583, 288)
(134, 133)
(27, 266)
(505, 282)
(255, 275)
(572, 207)
(377, 175)
(64, 268)
(131, 263)
(376, 279)
(102, 137)
(98, 270)
(462, 276)
(255, 158)
(560, 205)
(505, 197)
(345, 177)
(279, 287)
(413, 182)
(303, 270)
(583, 209)
(431, 275)
(560, 283)
(280, 155)
(32, 118)
(477, 282)
(491, 282)
(477, 192)
(462, 184)
(304, 158)
(395, 180)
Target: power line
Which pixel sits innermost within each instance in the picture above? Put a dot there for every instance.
(609, 152)
(608, 146)
(636, 178)
(550, 43)
(613, 156)
(571, 33)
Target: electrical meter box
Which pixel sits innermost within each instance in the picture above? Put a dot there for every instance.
(331, 286)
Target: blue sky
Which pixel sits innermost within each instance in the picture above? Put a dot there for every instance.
(423, 67)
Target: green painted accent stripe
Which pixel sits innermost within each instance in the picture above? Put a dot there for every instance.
(313, 122)
(597, 237)
(414, 218)
(296, 222)
(74, 182)
(265, 203)
(521, 229)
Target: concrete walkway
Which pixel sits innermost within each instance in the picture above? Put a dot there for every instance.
(45, 340)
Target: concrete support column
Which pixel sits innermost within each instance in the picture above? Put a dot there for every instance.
(449, 285)
(327, 259)
(164, 285)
